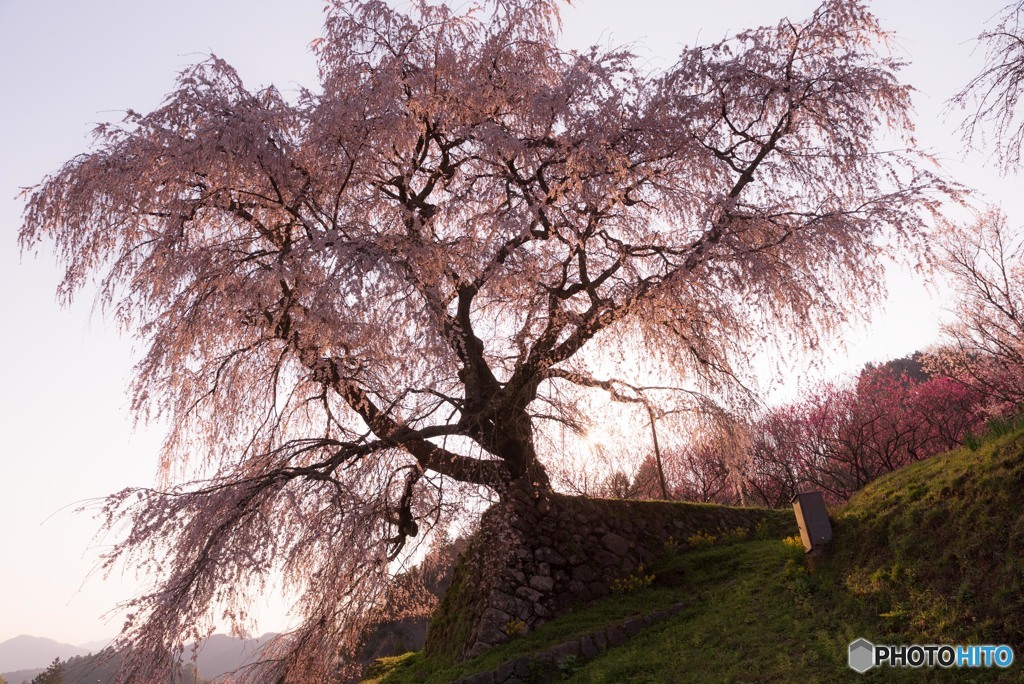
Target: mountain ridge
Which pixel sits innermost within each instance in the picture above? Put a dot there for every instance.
(26, 652)
(218, 655)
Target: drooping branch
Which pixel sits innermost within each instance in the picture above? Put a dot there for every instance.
(624, 392)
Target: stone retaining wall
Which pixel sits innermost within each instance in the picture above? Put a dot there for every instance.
(534, 558)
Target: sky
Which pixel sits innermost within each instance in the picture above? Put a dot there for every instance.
(66, 435)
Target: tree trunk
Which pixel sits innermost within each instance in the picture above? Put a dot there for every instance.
(514, 444)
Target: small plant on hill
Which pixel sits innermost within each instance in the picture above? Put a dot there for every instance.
(633, 582)
(569, 666)
(514, 628)
(794, 543)
(734, 536)
(994, 429)
(671, 547)
(701, 540)
(763, 530)
(796, 570)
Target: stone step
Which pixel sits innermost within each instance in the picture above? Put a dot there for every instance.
(547, 666)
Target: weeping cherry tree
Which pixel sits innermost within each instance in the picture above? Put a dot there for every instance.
(355, 300)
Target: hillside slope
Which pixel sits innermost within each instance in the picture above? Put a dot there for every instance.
(937, 548)
(929, 554)
(933, 553)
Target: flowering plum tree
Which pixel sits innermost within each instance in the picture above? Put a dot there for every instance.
(700, 473)
(776, 463)
(352, 299)
(839, 437)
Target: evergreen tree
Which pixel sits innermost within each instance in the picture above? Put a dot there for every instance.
(54, 674)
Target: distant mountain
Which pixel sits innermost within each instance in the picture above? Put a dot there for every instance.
(27, 652)
(96, 645)
(21, 676)
(102, 669)
(23, 657)
(221, 654)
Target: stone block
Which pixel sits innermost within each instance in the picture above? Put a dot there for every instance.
(616, 544)
(584, 573)
(568, 649)
(491, 634)
(546, 554)
(541, 583)
(522, 606)
(632, 627)
(542, 668)
(521, 666)
(479, 648)
(588, 649)
(502, 601)
(495, 616)
(531, 595)
(513, 669)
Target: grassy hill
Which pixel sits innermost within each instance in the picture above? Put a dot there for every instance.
(933, 553)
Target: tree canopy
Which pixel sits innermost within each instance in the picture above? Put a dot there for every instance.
(992, 96)
(355, 298)
(53, 674)
(985, 342)
(985, 261)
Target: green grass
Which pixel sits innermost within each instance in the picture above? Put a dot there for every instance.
(938, 547)
(416, 668)
(761, 618)
(933, 553)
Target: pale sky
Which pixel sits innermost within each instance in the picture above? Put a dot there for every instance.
(66, 65)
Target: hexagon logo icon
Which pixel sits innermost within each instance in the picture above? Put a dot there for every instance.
(862, 655)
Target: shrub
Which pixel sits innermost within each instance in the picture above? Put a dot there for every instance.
(633, 582)
(514, 628)
(671, 546)
(701, 540)
(794, 543)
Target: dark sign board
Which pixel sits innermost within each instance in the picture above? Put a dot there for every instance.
(812, 517)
